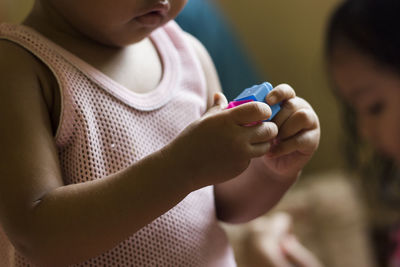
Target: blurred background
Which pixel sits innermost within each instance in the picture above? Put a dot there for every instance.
(14, 10)
(281, 42)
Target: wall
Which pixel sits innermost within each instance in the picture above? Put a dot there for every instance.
(14, 10)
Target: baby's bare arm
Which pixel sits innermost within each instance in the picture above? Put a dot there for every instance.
(53, 224)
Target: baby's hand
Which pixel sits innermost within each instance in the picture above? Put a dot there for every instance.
(219, 146)
(298, 136)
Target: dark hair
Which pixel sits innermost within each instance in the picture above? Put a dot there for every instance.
(371, 27)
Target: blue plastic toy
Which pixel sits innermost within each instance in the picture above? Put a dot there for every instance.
(256, 93)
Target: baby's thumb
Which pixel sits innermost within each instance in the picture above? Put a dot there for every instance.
(220, 103)
(220, 100)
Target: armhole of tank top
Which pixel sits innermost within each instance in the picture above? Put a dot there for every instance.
(172, 28)
(199, 66)
(51, 70)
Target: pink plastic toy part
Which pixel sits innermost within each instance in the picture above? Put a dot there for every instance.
(233, 104)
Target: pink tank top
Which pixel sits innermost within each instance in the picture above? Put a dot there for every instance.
(105, 127)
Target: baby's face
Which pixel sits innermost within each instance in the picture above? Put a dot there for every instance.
(373, 91)
(116, 22)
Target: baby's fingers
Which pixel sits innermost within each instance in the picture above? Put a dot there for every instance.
(250, 112)
(259, 150)
(262, 132)
(280, 93)
(304, 142)
(288, 108)
(300, 120)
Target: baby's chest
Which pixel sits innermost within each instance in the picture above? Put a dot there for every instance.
(139, 69)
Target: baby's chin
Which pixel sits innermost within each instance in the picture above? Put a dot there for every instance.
(127, 37)
(122, 40)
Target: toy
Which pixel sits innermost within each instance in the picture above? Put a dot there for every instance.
(256, 93)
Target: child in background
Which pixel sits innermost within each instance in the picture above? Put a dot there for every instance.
(272, 243)
(364, 60)
(117, 147)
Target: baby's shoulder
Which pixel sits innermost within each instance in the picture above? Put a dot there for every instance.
(19, 68)
(23, 74)
(15, 60)
(17, 72)
(13, 54)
